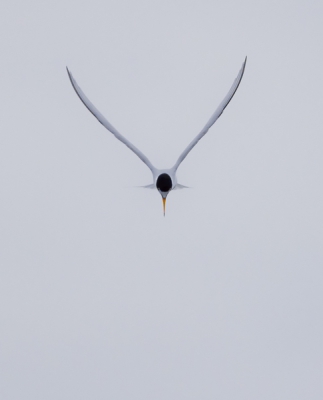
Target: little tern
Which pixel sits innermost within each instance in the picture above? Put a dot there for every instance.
(164, 180)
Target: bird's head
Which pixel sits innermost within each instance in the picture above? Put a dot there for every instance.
(164, 185)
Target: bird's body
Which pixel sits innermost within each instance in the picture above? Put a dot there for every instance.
(164, 180)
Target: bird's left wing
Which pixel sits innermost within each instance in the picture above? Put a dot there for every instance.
(214, 117)
(106, 123)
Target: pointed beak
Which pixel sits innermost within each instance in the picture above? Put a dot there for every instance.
(164, 205)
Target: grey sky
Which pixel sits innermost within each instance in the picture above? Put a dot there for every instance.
(101, 297)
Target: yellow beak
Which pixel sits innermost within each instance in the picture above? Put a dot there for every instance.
(164, 205)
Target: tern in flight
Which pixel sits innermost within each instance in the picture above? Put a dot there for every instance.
(164, 180)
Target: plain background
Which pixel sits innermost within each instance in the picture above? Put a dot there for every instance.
(101, 297)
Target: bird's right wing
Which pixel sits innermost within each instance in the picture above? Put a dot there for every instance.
(214, 117)
(106, 123)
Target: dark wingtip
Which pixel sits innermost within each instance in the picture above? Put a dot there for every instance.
(244, 66)
(70, 76)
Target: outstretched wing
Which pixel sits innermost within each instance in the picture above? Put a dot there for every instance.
(106, 123)
(214, 117)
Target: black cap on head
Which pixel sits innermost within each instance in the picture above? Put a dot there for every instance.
(164, 183)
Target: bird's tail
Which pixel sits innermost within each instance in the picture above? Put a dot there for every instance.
(179, 186)
(151, 186)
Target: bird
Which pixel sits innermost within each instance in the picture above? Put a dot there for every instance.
(164, 180)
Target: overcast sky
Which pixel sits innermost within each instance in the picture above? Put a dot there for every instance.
(101, 297)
